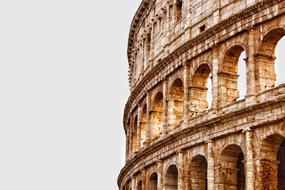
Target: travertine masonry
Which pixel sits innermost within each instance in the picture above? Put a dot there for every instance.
(175, 138)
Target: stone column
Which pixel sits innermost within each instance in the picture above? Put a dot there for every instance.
(143, 177)
(211, 166)
(127, 145)
(215, 79)
(249, 162)
(148, 119)
(186, 95)
(133, 183)
(250, 78)
(152, 44)
(181, 171)
(168, 33)
(160, 175)
(131, 137)
(164, 111)
(216, 13)
(139, 128)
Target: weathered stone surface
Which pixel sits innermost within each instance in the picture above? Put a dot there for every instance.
(175, 138)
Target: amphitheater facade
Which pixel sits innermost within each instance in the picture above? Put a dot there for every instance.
(175, 137)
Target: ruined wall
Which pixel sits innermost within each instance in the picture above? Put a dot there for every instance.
(176, 139)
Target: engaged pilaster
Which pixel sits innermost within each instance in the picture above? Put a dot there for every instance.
(164, 112)
(181, 170)
(160, 175)
(251, 82)
(249, 176)
(211, 166)
(186, 95)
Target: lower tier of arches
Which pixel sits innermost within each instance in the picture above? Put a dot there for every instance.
(253, 158)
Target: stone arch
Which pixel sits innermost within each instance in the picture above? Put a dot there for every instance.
(134, 136)
(271, 162)
(157, 115)
(198, 89)
(197, 173)
(228, 74)
(265, 58)
(139, 187)
(153, 181)
(175, 103)
(230, 173)
(171, 178)
(143, 125)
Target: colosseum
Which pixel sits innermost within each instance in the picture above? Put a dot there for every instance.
(187, 125)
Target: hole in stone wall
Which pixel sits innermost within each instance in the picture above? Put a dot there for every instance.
(202, 28)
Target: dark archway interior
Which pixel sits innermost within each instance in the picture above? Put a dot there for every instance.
(231, 174)
(171, 178)
(281, 166)
(198, 173)
(153, 182)
(139, 185)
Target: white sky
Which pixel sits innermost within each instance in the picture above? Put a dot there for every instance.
(63, 87)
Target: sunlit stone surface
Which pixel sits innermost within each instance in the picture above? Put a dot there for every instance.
(194, 119)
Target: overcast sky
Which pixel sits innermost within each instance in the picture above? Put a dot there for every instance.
(63, 87)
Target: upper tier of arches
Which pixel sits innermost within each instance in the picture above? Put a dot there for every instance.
(160, 27)
(208, 83)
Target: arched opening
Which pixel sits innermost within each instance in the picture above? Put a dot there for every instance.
(279, 63)
(232, 76)
(139, 185)
(171, 178)
(198, 173)
(143, 125)
(231, 172)
(242, 86)
(156, 115)
(266, 60)
(152, 184)
(135, 135)
(199, 90)
(175, 104)
(272, 163)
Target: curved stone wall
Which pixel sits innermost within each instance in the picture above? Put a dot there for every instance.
(175, 138)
